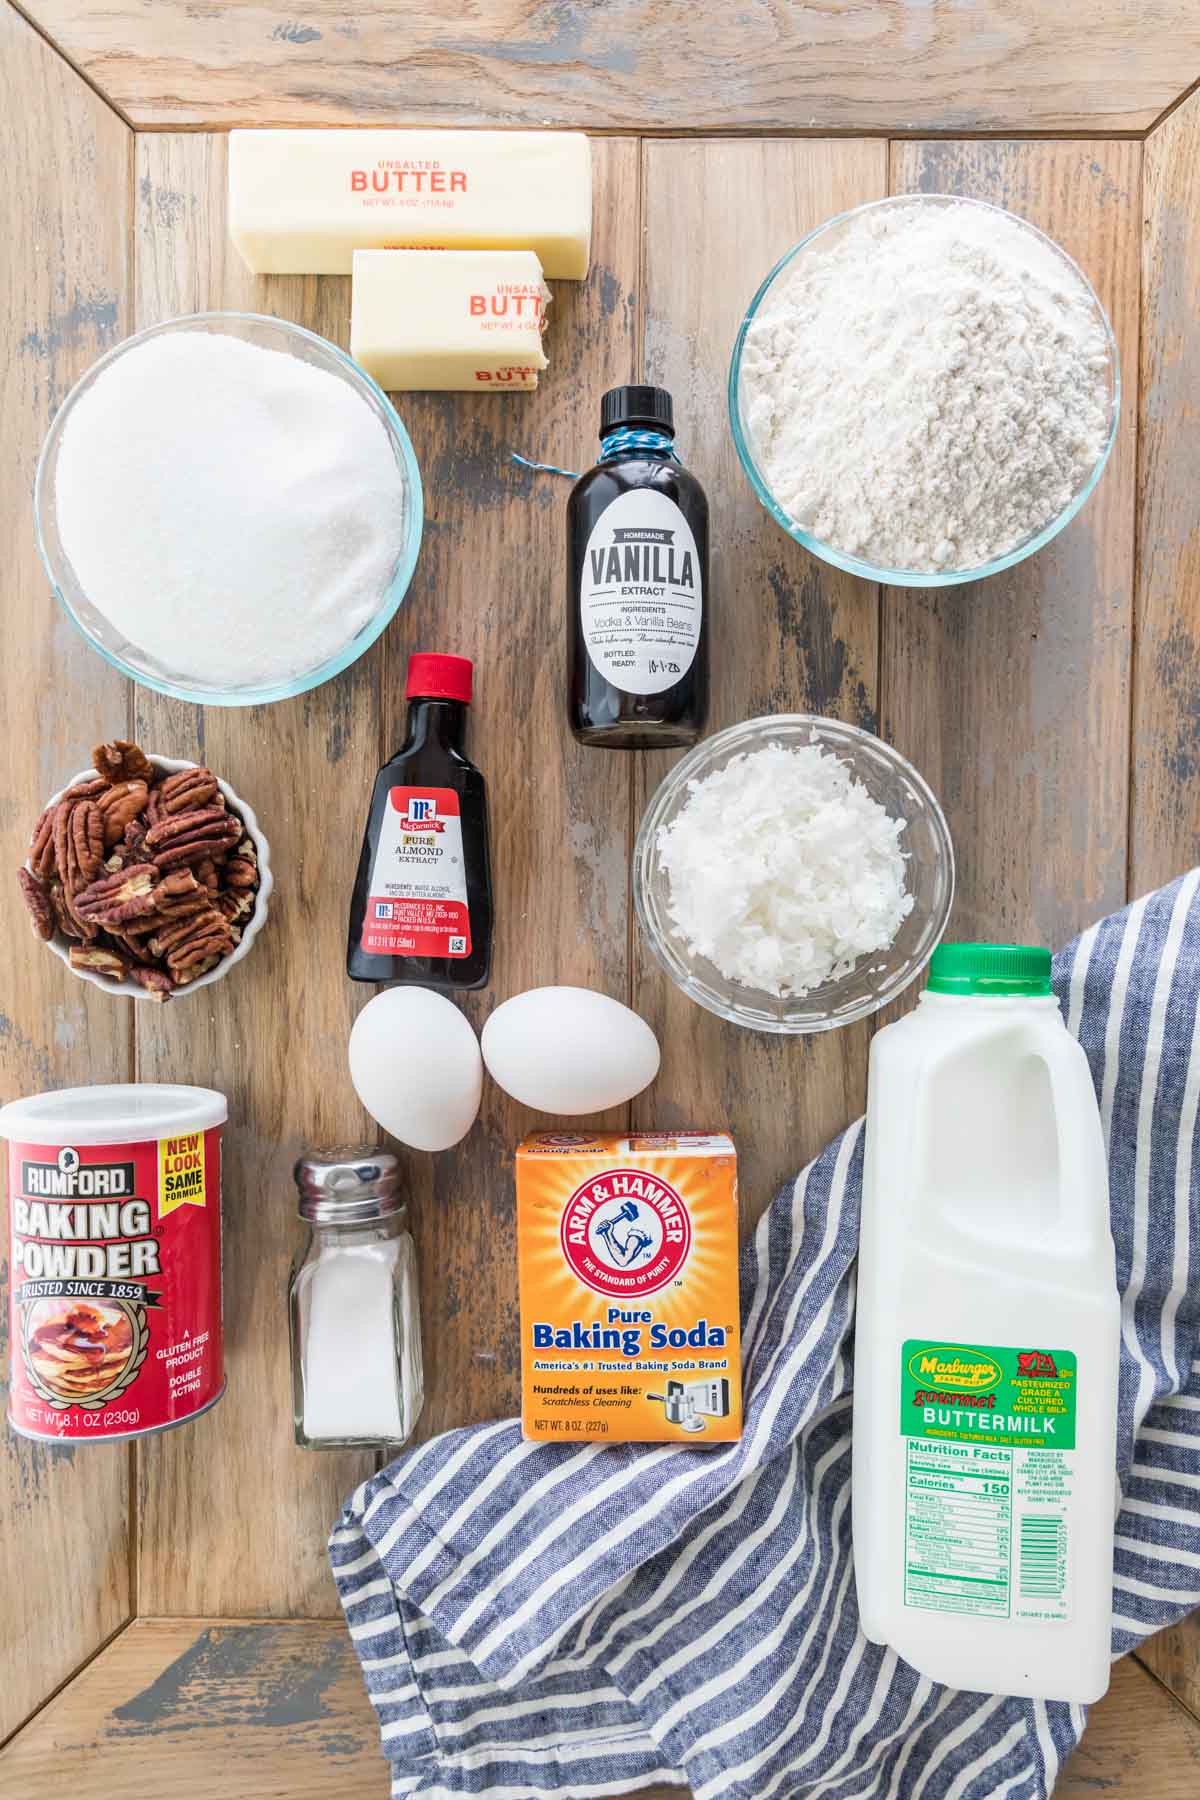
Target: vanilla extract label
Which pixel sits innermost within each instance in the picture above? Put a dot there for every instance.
(641, 601)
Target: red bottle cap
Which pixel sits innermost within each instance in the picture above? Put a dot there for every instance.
(438, 677)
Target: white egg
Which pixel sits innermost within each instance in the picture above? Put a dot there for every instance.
(416, 1067)
(568, 1050)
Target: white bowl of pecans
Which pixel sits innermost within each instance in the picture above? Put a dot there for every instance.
(147, 875)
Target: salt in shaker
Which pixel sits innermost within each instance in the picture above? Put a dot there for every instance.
(354, 1310)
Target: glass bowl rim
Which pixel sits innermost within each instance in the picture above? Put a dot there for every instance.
(198, 694)
(848, 738)
(855, 565)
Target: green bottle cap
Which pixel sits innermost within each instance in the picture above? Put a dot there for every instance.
(990, 969)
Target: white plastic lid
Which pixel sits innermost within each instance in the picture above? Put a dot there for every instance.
(123, 1113)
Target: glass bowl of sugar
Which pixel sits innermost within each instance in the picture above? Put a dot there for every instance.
(793, 874)
(924, 390)
(228, 508)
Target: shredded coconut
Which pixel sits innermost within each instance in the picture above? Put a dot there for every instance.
(783, 870)
(929, 389)
(235, 513)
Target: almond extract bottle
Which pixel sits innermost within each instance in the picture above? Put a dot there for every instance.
(637, 535)
(422, 906)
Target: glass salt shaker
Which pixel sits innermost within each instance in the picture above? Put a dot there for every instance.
(353, 1304)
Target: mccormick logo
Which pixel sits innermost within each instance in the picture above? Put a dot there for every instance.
(625, 1233)
(421, 816)
(954, 1367)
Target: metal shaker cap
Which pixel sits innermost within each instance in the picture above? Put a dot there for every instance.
(348, 1184)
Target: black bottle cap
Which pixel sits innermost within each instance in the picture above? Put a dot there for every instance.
(649, 407)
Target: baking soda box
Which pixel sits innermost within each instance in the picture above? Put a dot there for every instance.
(628, 1257)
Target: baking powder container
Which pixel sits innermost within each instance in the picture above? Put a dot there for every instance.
(115, 1266)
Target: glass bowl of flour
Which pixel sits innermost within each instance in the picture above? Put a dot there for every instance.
(924, 390)
(793, 874)
(228, 508)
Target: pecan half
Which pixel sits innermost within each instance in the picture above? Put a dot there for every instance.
(78, 843)
(119, 760)
(119, 807)
(41, 848)
(157, 984)
(193, 945)
(206, 873)
(36, 898)
(64, 918)
(98, 960)
(232, 905)
(241, 872)
(88, 789)
(188, 789)
(114, 899)
(192, 836)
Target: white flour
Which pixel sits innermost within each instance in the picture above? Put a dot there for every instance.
(929, 390)
(234, 512)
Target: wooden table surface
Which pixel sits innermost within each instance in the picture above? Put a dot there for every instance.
(1055, 713)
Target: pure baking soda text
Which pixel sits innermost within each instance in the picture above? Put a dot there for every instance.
(627, 1249)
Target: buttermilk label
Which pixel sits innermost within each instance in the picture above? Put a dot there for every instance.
(989, 1478)
(640, 599)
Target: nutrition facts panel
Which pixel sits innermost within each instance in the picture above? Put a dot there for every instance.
(958, 1527)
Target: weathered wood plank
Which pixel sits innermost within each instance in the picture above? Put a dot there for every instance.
(62, 301)
(1139, 1745)
(206, 1710)
(272, 1037)
(203, 1709)
(788, 633)
(491, 585)
(1012, 696)
(646, 65)
(1174, 1656)
(1165, 802)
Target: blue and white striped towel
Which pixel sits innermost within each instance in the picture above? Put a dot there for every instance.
(537, 1620)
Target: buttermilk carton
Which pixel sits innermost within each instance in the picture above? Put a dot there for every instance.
(628, 1261)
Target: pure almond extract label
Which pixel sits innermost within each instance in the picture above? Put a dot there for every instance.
(417, 901)
(989, 1478)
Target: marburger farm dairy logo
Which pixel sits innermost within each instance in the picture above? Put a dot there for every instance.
(625, 1234)
(951, 1366)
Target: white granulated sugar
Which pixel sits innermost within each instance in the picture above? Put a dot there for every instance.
(930, 389)
(783, 870)
(235, 513)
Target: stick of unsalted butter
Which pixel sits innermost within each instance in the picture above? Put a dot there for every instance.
(301, 202)
(449, 318)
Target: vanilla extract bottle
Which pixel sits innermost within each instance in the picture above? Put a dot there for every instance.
(637, 529)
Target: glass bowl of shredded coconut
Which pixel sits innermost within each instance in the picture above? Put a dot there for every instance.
(793, 874)
(228, 508)
(924, 390)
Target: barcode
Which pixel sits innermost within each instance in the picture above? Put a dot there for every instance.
(1043, 1561)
